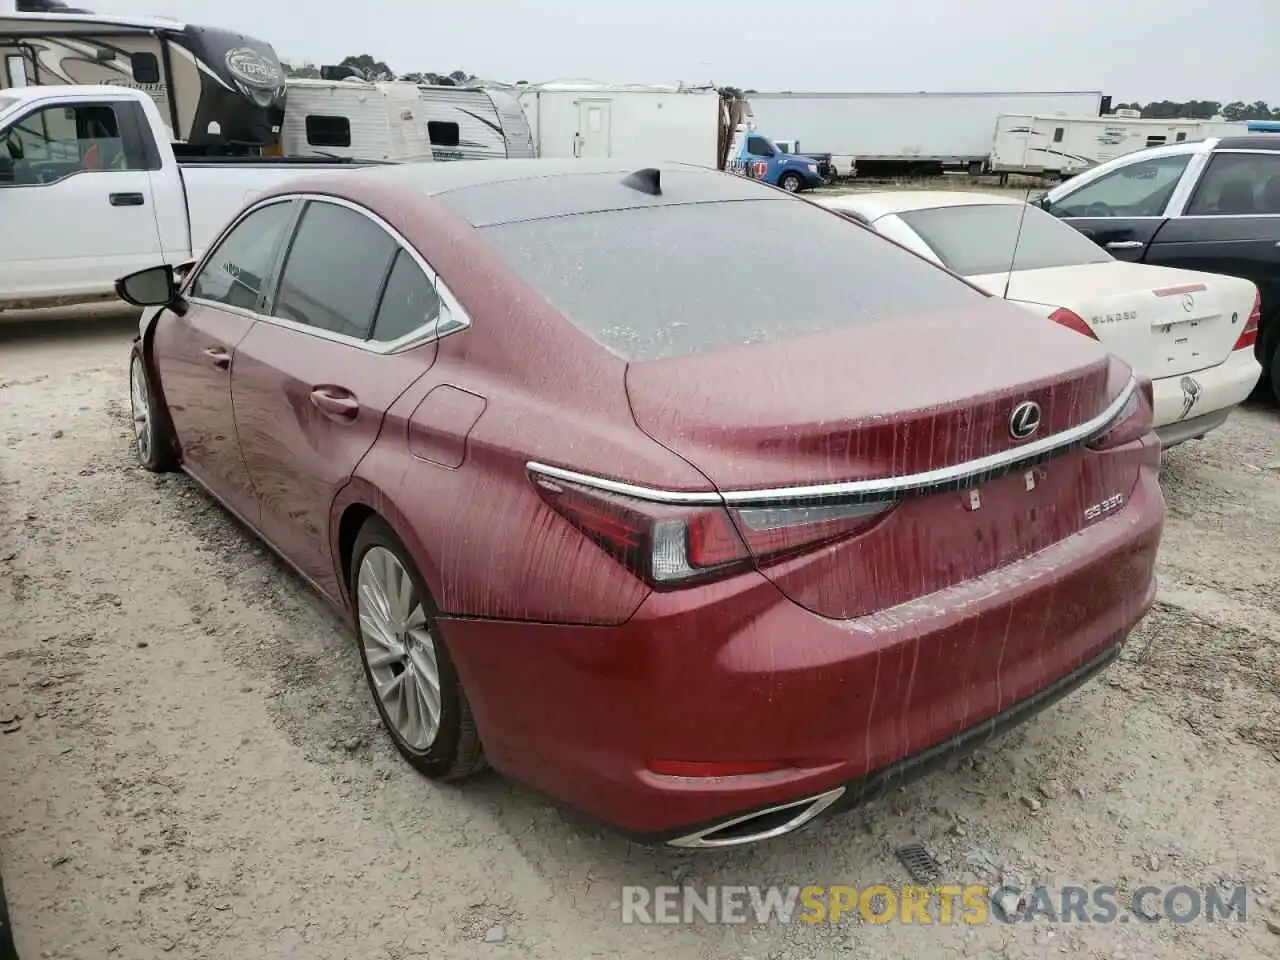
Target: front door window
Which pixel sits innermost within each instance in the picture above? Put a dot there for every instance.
(1140, 189)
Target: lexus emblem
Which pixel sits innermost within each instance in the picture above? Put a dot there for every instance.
(1025, 420)
(1188, 302)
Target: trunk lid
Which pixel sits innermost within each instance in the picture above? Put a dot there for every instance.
(878, 400)
(885, 400)
(1163, 322)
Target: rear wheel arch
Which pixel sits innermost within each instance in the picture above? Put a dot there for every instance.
(356, 504)
(350, 523)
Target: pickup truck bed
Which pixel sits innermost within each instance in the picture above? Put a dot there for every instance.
(94, 191)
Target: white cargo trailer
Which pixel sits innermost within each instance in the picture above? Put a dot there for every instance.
(594, 120)
(1026, 143)
(924, 131)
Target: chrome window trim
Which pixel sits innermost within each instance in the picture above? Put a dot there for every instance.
(457, 318)
(878, 488)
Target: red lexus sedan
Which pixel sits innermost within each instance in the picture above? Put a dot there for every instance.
(685, 500)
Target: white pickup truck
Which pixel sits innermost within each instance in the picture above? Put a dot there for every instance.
(91, 189)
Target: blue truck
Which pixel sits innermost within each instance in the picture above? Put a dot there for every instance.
(760, 158)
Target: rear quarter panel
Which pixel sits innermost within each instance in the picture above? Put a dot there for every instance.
(486, 543)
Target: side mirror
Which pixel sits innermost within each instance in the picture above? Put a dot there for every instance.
(152, 287)
(181, 270)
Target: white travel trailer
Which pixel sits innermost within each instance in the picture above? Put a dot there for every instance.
(476, 123)
(595, 120)
(355, 119)
(1066, 145)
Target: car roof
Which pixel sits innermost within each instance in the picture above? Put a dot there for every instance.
(879, 203)
(489, 192)
(1262, 141)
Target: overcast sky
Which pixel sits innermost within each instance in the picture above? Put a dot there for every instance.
(1132, 49)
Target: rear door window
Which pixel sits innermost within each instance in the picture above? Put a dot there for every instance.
(1237, 184)
(673, 280)
(334, 271)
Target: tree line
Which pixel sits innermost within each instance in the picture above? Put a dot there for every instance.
(377, 70)
(373, 69)
(1204, 110)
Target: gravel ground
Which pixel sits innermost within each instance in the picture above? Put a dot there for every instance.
(190, 765)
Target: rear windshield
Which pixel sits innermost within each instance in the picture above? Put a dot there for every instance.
(7, 102)
(667, 281)
(974, 240)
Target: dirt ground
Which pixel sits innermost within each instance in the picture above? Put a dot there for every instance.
(190, 765)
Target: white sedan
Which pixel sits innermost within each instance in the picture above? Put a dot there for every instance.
(1192, 333)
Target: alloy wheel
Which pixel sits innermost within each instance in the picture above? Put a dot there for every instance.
(399, 648)
(139, 402)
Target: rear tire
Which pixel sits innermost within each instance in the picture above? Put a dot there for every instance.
(412, 678)
(152, 443)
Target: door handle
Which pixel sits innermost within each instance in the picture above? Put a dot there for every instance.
(1125, 244)
(219, 357)
(126, 199)
(336, 403)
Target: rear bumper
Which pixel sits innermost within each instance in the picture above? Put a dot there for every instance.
(871, 787)
(1216, 390)
(733, 672)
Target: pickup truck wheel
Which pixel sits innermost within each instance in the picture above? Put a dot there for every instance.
(790, 182)
(151, 441)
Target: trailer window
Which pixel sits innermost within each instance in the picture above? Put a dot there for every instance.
(666, 281)
(442, 133)
(325, 131)
(145, 66)
(1058, 133)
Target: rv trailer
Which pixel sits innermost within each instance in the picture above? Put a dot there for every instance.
(1027, 143)
(354, 119)
(476, 123)
(215, 89)
(461, 123)
(588, 119)
(891, 133)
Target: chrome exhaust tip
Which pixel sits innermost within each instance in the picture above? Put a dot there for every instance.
(761, 825)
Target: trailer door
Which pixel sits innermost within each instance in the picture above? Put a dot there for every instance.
(593, 139)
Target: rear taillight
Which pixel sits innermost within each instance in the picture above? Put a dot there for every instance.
(671, 546)
(1072, 321)
(1249, 335)
(1134, 421)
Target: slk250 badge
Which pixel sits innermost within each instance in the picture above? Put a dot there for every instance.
(1108, 505)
